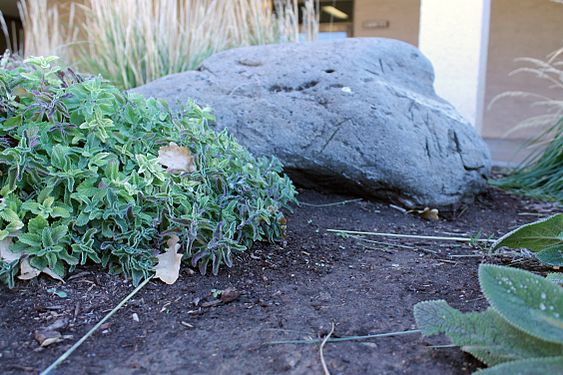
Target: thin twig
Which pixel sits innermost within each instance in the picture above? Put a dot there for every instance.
(349, 338)
(398, 208)
(394, 245)
(378, 249)
(66, 354)
(415, 236)
(325, 368)
(331, 204)
(444, 346)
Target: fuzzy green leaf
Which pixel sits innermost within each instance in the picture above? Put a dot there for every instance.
(555, 277)
(486, 335)
(37, 224)
(31, 239)
(552, 256)
(533, 366)
(63, 211)
(58, 232)
(535, 236)
(9, 215)
(525, 300)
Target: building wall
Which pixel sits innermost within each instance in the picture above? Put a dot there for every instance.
(403, 17)
(453, 35)
(9, 8)
(524, 28)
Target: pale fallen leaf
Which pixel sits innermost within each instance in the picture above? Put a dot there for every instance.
(6, 254)
(27, 272)
(48, 337)
(176, 158)
(168, 267)
(429, 214)
(49, 272)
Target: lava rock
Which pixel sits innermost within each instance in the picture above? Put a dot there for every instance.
(355, 115)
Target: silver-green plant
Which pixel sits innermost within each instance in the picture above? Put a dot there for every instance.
(543, 237)
(91, 174)
(520, 333)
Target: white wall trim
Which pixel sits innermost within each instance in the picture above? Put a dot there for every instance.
(454, 36)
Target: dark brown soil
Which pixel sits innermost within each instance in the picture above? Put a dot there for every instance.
(294, 290)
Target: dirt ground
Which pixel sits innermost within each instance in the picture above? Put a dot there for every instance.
(294, 290)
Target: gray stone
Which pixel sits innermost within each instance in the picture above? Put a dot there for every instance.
(359, 115)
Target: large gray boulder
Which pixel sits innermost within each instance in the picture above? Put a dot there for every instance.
(359, 115)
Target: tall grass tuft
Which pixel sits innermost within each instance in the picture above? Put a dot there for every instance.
(541, 174)
(132, 42)
(48, 28)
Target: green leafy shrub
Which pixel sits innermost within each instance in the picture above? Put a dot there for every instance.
(83, 179)
(522, 329)
(544, 237)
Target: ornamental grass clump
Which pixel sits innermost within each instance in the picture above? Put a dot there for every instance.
(91, 174)
(133, 42)
(541, 174)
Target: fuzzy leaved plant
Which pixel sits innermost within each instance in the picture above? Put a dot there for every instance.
(544, 237)
(89, 173)
(520, 333)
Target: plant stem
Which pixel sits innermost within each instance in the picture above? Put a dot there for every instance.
(323, 362)
(331, 204)
(348, 338)
(415, 236)
(66, 354)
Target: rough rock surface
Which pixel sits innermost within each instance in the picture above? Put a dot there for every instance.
(358, 115)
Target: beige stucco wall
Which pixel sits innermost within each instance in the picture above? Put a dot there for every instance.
(403, 17)
(9, 7)
(531, 28)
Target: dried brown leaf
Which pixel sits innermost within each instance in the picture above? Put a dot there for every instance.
(176, 158)
(27, 272)
(49, 272)
(429, 214)
(168, 267)
(6, 254)
(48, 337)
(230, 295)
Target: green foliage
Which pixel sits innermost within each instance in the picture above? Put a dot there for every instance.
(8, 272)
(535, 366)
(486, 335)
(555, 277)
(524, 322)
(81, 179)
(527, 301)
(544, 237)
(542, 176)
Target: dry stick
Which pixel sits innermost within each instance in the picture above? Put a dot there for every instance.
(415, 236)
(394, 244)
(348, 338)
(66, 354)
(325, 368)
(331, 204)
